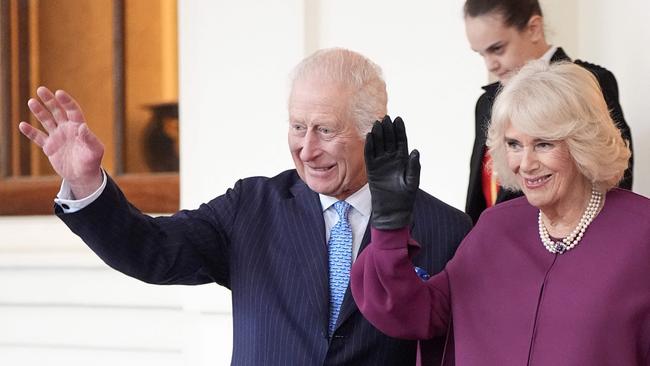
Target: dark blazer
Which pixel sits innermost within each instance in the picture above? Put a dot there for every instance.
(265, 241)
(475, 201)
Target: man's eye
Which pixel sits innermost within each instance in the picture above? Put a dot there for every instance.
(325, 130)
(297, 129)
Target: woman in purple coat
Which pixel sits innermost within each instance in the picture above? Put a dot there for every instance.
(558, 277)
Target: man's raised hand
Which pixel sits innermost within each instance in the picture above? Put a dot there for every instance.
(73, 150)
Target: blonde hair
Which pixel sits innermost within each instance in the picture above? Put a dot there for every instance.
(354, 72)
(560, 102)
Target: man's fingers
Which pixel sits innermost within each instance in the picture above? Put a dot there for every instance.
(52, 104)
(34, 134)
(70, 106)
(42, 115)
(89, 138)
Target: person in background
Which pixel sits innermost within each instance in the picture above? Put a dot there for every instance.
(558, 277)
(282, 245)
(507, 34)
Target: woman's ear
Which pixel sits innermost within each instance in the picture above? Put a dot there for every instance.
(535, 28)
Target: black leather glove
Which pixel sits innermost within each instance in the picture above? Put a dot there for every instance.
(393, 174)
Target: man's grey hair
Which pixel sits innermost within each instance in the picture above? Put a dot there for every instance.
(356, 73)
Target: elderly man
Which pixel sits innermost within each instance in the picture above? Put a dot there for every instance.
(282, 245)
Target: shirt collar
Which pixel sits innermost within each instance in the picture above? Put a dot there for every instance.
(360, 200)
(546, 57)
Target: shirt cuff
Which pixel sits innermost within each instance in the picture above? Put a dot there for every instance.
(69, 205)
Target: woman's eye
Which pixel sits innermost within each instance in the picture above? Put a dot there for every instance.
(496, 49)
(512, 144)
(544, 145)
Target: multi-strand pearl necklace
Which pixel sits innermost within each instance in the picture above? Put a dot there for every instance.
(573, 239)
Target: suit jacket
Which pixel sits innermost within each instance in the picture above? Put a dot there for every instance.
(475, 201)
(264, 239)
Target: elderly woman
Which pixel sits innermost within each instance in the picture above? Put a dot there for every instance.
(558, 277)
(507, 34)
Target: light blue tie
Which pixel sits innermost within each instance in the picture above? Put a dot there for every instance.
(340, 260)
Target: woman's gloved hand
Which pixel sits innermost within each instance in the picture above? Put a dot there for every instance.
(393, 174)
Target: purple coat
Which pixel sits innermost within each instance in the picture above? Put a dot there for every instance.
(515, 303)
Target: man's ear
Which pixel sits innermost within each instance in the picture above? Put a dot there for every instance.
(535, 28)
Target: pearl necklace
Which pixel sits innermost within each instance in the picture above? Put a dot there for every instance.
(573, 239)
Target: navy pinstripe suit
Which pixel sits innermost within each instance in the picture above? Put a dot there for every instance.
(265, 241)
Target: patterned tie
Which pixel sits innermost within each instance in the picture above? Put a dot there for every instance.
(340, 260)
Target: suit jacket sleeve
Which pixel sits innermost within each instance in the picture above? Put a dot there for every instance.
(190, 247)
(390, 294)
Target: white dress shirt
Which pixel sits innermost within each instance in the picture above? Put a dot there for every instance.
(548, 55)
(359, 215)
(69, 204)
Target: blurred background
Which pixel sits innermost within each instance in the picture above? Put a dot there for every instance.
(188, 96)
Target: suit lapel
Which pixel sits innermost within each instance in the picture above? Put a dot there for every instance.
(560, 55)
(366, 239)
(308, 248)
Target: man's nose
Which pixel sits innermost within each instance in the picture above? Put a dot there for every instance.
(310, 147)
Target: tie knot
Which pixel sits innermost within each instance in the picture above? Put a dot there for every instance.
(342, 209)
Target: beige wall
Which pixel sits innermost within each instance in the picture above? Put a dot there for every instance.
(616, 34)
(61, 305)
